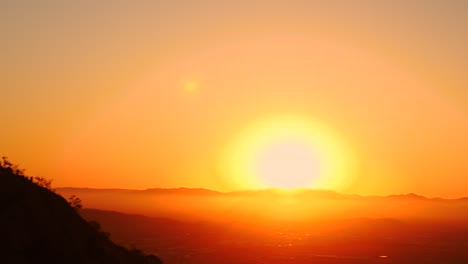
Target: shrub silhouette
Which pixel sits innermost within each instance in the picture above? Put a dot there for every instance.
(43, 182)
(75, 202)
(7, 167)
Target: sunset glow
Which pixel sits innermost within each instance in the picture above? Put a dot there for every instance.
(364, 97)
(290, 151)
(227, 132)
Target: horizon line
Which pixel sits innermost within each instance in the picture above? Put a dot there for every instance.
(276, 189)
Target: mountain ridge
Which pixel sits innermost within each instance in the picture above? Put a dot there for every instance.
(272, 191)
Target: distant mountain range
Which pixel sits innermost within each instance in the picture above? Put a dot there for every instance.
(268, 204)
(302, 193)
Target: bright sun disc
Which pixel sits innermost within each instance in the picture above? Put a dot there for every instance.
(289, 152)
(287, 163)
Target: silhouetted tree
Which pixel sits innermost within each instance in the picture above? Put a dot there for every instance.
(75, 202)
(8, 167)
(43, 182)
(5, 163)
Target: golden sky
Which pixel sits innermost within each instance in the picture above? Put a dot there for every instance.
(141, 94)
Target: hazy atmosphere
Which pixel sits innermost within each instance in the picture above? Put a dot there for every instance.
(143, 94)
(234, 132)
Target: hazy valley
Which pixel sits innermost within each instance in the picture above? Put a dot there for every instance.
(203, 226)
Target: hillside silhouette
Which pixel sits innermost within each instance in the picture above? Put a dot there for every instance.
(39, 226)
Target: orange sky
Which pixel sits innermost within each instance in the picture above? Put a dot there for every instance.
(148, 94)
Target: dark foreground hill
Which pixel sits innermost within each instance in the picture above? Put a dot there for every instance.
(39, 226)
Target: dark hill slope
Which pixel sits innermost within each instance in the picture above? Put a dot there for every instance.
(39, 226)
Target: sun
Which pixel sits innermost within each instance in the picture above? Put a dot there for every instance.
(287, 163)
(289, 151)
